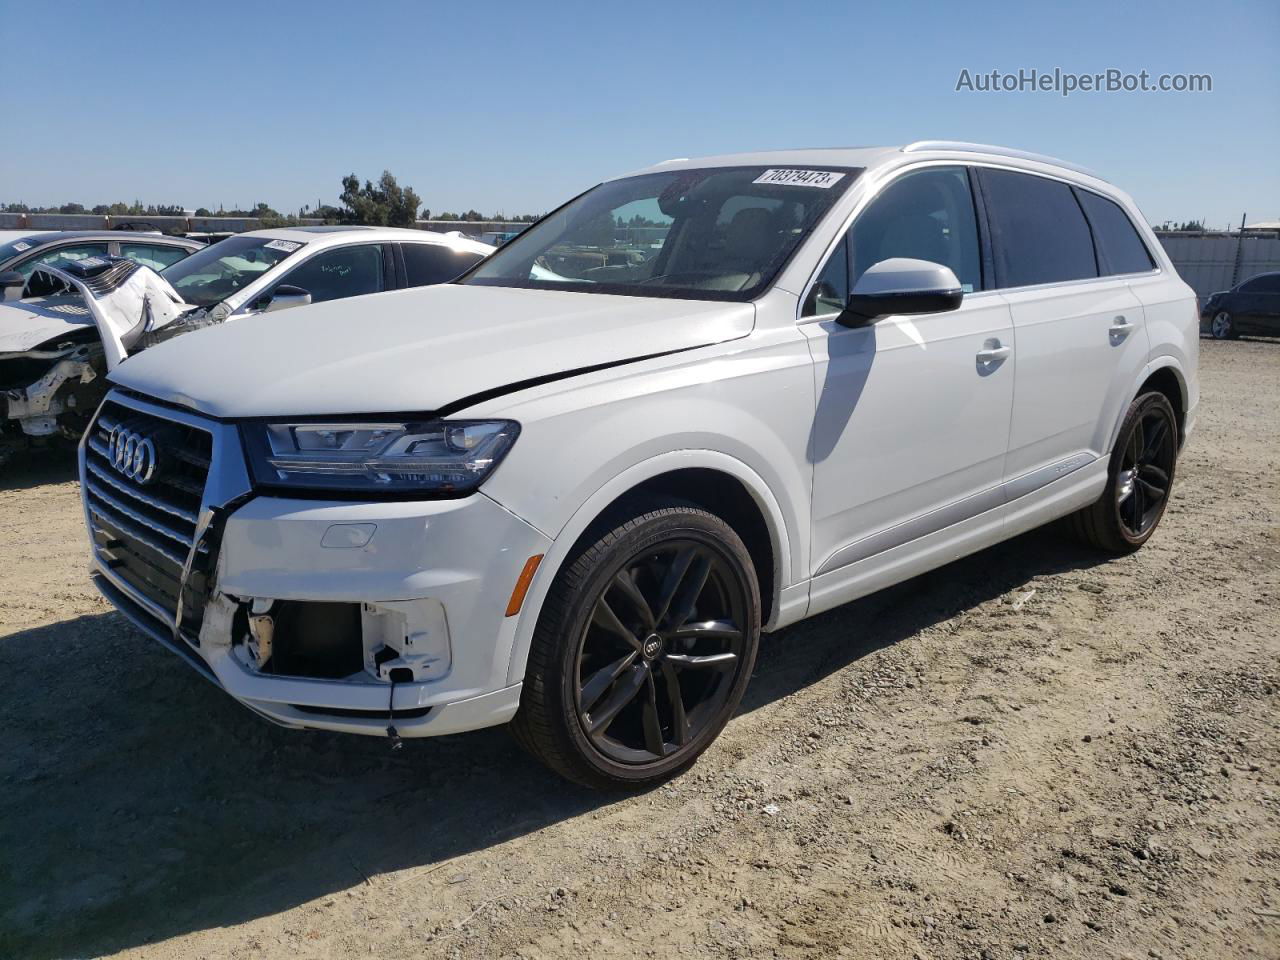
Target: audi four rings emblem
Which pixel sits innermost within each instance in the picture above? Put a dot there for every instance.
(132, 454)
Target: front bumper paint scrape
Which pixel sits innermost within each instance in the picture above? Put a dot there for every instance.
(432, 578)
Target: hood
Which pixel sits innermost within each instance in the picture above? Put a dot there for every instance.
(416, 350)
(122, 298)
(26, 324)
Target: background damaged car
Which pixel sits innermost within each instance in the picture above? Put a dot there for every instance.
(77, 319)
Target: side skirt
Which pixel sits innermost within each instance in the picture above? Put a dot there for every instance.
(1079, 488)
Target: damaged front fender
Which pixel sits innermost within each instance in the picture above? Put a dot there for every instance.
(126, 300)
(52, 367)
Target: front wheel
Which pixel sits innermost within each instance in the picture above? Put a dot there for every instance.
(642, 651)
(1139, 478)
(1223, 327)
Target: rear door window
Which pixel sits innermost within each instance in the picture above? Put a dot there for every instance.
(64, 254)
(154, 255)
(343, 272)
(1120, 248)
(1038, 231)
(428, 263)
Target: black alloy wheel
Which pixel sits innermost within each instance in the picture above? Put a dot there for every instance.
(1139, 479)
(643, 649)
(657, 658)
(1146, 471)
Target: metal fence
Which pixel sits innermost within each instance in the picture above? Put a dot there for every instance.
(183, 225)
(1218, 261)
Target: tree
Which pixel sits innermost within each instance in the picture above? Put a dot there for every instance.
(385, 205)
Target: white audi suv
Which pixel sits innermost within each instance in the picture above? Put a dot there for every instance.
(570, 489)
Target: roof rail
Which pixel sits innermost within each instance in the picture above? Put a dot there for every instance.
(960, 146)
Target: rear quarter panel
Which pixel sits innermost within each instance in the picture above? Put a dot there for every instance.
(1173, 328)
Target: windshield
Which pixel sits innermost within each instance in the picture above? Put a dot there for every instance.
(720, 233)
(211, 275)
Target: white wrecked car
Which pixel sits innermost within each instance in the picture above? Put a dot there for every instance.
(76, 320)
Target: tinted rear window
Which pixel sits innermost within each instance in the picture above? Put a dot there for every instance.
(1120, 248)
(1267, 283)
(428, 263)
(1038, 233)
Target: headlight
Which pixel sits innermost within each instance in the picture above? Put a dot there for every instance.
(440, 456)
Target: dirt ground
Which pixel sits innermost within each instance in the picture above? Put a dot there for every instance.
(1032, 752)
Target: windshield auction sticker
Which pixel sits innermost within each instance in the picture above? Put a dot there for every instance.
(285, 246)
(800, 178)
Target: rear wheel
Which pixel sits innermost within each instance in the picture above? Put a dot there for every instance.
(642, 651)
(1223, 327)
(1139, 479)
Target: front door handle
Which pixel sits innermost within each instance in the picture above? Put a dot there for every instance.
(993, 352)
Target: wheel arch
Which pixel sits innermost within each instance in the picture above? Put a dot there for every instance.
(1164, 376)
(1166, 380)
(714, 481)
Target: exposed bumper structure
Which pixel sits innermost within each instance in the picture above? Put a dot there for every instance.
(36, 407)
(384, 612)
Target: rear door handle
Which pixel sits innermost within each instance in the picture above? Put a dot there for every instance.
(1120, 328)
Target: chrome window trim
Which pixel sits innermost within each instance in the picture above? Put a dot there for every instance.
(964, 146)
(898, 172)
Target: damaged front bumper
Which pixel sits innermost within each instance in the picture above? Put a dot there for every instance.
(334, 615)
(67, 386)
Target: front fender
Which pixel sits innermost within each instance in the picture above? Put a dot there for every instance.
(617, 486)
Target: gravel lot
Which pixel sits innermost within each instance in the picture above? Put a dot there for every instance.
(1032, 752)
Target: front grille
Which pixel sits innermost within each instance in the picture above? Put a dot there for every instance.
(143, 530)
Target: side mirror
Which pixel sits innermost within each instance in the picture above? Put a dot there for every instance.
(12, 282)
(286, 296)
(901, 285)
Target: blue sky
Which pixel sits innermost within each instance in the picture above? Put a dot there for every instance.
(516, 106)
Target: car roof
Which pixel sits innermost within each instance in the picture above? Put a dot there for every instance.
(811, 157)
(7, 235)
(335, 228)
(321, 236)
(41, 237)
(870, 157)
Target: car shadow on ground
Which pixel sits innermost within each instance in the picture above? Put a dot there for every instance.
(27, 469)
(140, 803)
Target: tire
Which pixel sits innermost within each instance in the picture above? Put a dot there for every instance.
(586, 660)
(1148, 440)
(1223, 326)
